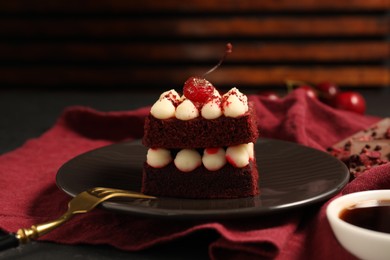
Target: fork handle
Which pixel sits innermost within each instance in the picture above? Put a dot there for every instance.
(8, 241)
(25, 235)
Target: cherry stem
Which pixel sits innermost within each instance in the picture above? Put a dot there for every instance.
(291, 84)
(229, 49)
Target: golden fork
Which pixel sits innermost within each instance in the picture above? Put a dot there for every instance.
(82, 203)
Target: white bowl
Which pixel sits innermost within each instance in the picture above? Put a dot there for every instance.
(361, 242)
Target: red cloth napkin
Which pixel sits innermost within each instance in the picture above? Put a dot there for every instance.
(28, 193)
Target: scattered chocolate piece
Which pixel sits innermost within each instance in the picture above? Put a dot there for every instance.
(387, 135)
(365, 149)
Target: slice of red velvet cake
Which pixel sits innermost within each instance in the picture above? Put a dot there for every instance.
(201, 147)
(201, 144)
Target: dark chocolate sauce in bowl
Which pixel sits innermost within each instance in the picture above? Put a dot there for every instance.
(374, 215)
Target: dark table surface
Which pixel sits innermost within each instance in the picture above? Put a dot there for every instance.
(28, 113)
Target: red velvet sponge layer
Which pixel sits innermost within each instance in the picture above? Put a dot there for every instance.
(199, 132)
(227, 183)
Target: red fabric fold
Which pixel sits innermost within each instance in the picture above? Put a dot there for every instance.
(28, 193)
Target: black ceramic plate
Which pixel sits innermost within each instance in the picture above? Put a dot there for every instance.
(291, 176)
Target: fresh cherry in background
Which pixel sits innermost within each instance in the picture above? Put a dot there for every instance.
(310, 91)
(269, 94)
(351, 101)
(327, 92)
(330, 94)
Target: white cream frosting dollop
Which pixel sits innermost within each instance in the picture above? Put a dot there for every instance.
(235, 103)
(238, 155)
(186, 110)
(212, 109)
(158, 157)
(171, 95)
(214, 158)
(163, 109)
(165, 106)
(250, 147)
(187, 160)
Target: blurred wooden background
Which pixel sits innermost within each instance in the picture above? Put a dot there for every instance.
(159, 44)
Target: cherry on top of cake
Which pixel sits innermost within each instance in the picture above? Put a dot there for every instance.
(201, 98)
(198, 89)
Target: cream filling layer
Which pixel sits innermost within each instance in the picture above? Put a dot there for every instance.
(213, 159)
